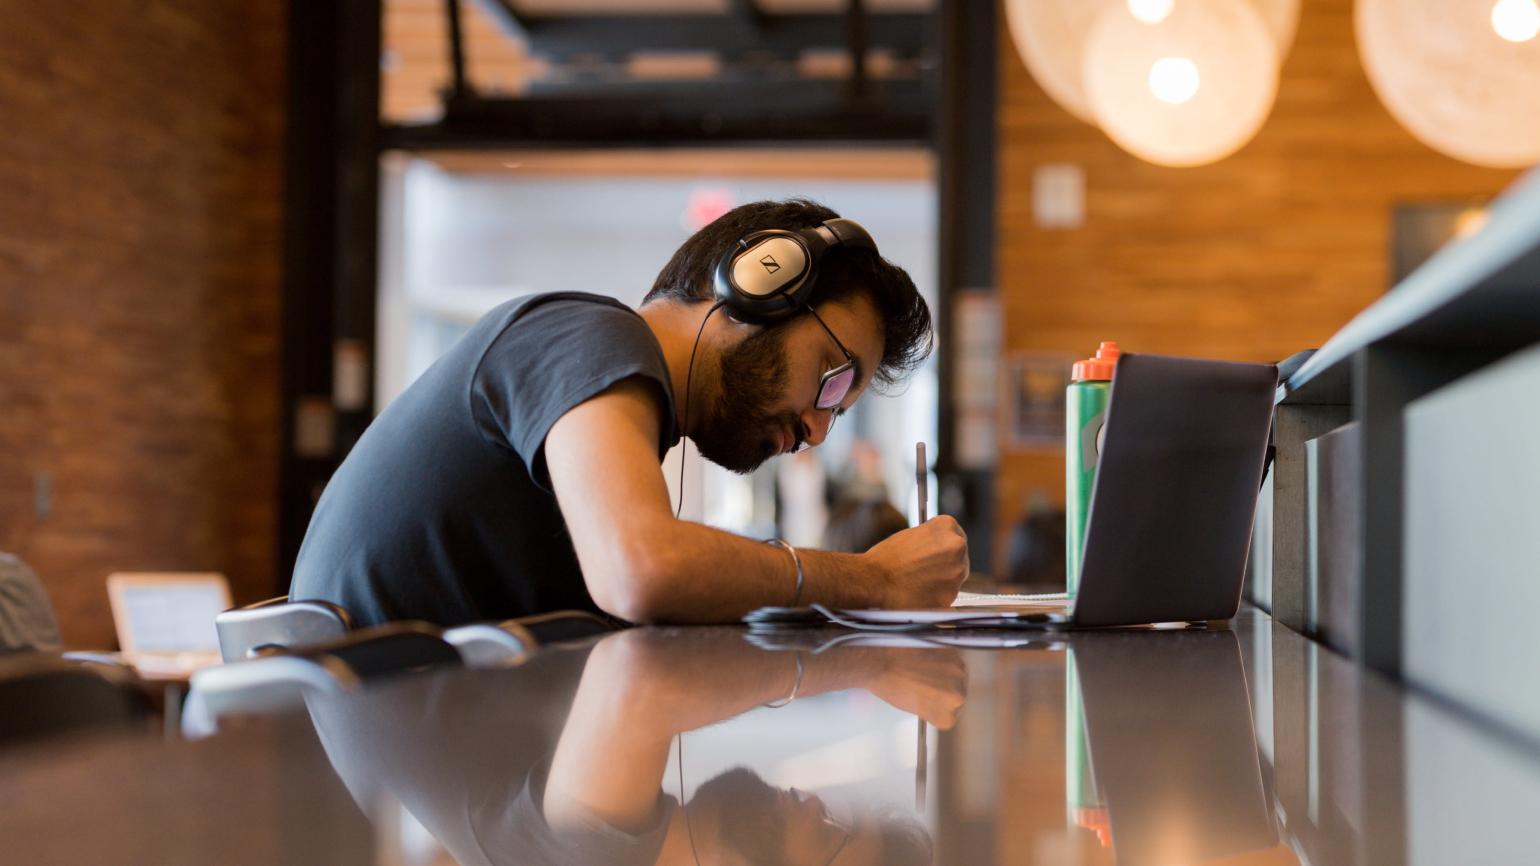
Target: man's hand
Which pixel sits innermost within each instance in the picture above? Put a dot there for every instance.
(931, 683)
(925, 565)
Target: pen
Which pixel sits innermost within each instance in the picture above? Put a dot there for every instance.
(920, 758)
(919, 478)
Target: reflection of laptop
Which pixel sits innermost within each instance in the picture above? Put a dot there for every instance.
(1169, 729)
(1175, 493)
(165, 622)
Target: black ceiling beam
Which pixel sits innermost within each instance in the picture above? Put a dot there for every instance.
(748, 14)
(612, 80)
(785, 35)
(459, 86)
(857, 35)
(672, 118)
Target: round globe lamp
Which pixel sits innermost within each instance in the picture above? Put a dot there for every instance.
(1189, 89)
(1462, 76)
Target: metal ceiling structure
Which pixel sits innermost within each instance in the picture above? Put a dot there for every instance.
(756, 86)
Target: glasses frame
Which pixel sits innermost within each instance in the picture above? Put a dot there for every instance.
(848, 834)
(823, 381)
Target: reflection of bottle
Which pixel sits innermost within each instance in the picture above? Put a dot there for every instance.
(1084, 411)
(1083, 803)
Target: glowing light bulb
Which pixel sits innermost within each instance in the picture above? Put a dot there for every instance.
(1174, 80)
(1151, 11)
(1514, 20)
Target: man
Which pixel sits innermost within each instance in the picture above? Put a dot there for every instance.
(521, 473)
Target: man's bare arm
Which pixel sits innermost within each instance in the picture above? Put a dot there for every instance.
(641, 687)
(643, 565)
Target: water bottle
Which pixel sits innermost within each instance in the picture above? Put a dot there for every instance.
(1085, 411)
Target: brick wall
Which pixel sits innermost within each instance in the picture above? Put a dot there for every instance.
(1251, 258)
(140, 194)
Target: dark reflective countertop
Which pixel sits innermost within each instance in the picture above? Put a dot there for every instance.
(1249, 745)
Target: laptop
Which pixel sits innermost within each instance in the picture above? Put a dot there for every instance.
(165, 621)
(1171, 508)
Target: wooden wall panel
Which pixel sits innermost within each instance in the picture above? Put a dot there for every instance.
(1251, 258)
(139, 292)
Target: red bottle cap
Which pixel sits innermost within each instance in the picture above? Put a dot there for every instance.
(1099, 368)
(1095, 818)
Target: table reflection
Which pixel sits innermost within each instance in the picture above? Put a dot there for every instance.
(1252, 747)
(580, 757)
(1161, 754)
(716, 746)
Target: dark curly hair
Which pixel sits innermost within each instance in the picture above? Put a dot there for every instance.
(906, 327)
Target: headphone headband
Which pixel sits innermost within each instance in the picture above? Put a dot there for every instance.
(769, 275)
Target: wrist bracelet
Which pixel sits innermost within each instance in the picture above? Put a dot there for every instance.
(795, 686)
(795, 560)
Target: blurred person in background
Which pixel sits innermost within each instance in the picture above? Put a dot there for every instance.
(858, 525)
(802, 499)
(26, 618)
(1035, 550)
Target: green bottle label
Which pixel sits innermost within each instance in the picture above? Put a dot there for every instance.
(1085, 413)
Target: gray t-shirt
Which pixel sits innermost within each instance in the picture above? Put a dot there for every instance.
(443, 511)
(468, 754)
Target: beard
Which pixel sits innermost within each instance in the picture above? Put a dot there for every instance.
(737, 432)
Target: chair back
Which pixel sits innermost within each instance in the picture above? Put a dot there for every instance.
(259, 686)
(43, 694)
(282, 678)
(484, 645)
(560, 626)
(278, 622)
(382, 650)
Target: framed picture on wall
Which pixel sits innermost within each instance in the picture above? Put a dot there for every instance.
(1035, 383)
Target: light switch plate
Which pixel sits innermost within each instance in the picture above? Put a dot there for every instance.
(1058, 195)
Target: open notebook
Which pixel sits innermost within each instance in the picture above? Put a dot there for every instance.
(987, 599)
(969, 609)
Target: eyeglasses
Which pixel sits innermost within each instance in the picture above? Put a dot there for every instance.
(834, 385)
(845, 834)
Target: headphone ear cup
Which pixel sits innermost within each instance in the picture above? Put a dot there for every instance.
(769, 275)
(765, 278)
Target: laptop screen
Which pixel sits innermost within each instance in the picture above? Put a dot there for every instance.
(172, 617)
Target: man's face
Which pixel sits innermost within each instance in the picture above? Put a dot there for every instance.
(749, 821)
(767, 384)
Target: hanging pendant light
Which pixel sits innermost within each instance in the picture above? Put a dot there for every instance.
(1051, 36)
(1462, 76)
(1188, 88)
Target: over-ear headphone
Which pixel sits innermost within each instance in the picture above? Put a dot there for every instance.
(768, 276)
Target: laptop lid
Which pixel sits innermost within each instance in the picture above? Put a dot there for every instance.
(167, 615)
(1175, 491)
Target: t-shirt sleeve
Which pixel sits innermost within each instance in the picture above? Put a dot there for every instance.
(521, 827)
(554, 356)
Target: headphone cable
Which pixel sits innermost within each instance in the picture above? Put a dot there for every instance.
(689, 830)
(684, 422)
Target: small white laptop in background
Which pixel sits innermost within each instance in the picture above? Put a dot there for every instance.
(165, 621)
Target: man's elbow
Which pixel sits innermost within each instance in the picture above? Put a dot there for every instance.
(637, 586)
